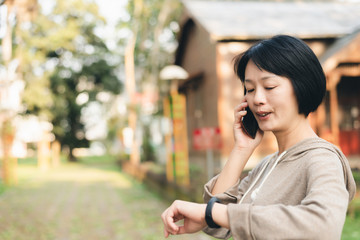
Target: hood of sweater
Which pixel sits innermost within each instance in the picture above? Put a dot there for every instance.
(304, 146)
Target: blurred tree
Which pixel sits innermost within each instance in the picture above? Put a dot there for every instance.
(16, 13)
(69, 67)
(151, 26)
(154, 25)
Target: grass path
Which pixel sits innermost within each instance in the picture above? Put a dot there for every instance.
(81, 201)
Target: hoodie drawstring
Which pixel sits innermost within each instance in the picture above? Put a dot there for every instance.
(255, 192)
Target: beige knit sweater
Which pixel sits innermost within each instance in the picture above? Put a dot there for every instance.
(305, 197)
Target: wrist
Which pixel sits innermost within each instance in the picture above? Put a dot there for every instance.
(220, 215)
(241, 153)
(246, 149)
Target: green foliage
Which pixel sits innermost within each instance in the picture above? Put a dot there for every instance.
(155, 30)
(63, 58)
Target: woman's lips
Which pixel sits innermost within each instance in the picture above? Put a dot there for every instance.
(263, 115)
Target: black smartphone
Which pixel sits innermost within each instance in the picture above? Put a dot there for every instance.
(249, 124)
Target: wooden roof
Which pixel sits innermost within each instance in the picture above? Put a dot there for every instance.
(229, 20)
(345, 49)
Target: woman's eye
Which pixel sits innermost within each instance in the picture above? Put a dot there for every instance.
(249, 90)
(269, 88)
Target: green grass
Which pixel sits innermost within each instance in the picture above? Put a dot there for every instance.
(106, 162)
(139, 196)
(351, 229)
(106, 159)
(2, 188)
(27, 161)
(356, 175)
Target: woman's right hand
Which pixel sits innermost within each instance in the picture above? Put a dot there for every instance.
(242, 140)
(240, 154)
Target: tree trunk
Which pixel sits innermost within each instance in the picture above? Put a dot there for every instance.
(7, 135)
(130, 81)
(55, 153)
(72, 158)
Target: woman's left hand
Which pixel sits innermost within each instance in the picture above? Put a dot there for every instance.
(192, 213)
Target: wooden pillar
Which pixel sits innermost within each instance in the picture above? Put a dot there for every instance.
(334, 107)
(334, 113)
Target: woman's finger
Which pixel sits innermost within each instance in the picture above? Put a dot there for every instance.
(166, 233)
(239, 115)
(171, 226)
(240, 106)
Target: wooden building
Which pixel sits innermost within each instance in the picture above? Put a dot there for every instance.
(213, 32)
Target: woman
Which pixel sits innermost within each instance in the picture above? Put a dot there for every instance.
(300, 192)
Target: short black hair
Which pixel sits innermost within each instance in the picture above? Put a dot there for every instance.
(292, 58)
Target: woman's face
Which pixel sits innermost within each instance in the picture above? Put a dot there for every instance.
(272, 99)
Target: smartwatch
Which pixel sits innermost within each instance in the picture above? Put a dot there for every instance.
(208, 213)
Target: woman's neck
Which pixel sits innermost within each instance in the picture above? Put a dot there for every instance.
(299, 131)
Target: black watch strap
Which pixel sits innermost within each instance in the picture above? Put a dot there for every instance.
(208, 213)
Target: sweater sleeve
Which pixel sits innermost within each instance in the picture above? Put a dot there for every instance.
(229, 196)
(320, 215)
(232, 195)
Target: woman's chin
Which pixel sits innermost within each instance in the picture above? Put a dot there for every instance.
(266, 128)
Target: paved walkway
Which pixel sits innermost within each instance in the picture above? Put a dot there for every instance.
(81, 202)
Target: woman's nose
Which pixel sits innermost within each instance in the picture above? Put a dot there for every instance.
(259, 97)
